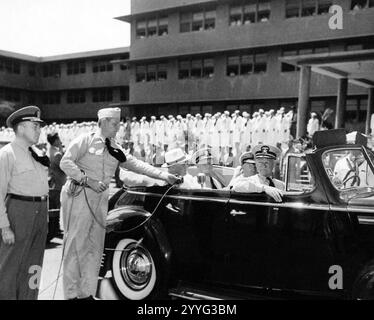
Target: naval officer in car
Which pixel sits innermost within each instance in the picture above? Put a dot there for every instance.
(263, 181)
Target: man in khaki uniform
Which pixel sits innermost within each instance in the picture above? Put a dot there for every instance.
(90, 162)
(23, 208)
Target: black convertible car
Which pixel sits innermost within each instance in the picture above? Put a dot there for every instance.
(217, 244)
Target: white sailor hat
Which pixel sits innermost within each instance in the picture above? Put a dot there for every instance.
(266, 151)
(109, 113)
(31, 113)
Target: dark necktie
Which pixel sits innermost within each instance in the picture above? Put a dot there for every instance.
(116, 153)
(271, 183)
(44, 160)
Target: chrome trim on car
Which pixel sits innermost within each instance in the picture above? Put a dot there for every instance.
(360, 210)
(366, 220)
(292, 205)
(181, 197)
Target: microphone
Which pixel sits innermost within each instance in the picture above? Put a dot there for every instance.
(201, 179)
(180, 180)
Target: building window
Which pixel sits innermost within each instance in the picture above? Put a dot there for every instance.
(31, 98)
(196, 68)
(184, 69)
(324, 6)
(102, 95)
(208, 68)
(151, 72)
(246, 64)
(102, 66)
(361, 4)
(10, 94)
(76, 96)
(162, 73)
(197, 21)
(233, 65)
(51, 70)
(76, 67)
(31, 69)
(250, 11)
(163, 22)
(10, 66)
(292, 8)
(141, 73)
(124, 93)
(152, 27)
(124, 66)
(306, 8)
(141, 29)
(51, 97)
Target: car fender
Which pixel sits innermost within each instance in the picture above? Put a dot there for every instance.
(128, 217)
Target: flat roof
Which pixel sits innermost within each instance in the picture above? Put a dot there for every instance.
(20, 56)
(68, 56)
(129, 17)
(356, 66)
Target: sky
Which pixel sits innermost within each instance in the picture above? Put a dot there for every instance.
(52, 27)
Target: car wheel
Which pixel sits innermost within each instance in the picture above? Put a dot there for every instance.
(363, 287)
(137, 270)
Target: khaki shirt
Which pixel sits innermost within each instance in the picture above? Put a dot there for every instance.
(20, 174)
(89, 153)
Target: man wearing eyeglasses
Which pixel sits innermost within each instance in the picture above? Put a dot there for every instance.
(263, 181)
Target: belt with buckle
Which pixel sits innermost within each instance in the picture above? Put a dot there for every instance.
(26, 198)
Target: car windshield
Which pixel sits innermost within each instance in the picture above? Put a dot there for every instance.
(349, 168)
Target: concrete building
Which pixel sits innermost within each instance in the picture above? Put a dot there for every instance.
(66, 87)
(190, 56)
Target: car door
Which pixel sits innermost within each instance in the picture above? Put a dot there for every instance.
(247, 241)
(301, 244)
(194, 221)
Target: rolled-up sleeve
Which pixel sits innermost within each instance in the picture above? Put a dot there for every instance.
(75, 151)
(143, 168)
(6, 166)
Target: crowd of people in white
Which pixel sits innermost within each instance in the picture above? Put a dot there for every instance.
(227, 135)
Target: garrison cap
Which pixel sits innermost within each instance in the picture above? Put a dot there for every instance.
(109, 113)
(31, 113)
(266, 151)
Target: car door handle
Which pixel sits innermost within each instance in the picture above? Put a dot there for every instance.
(172, 208)
(235, 213)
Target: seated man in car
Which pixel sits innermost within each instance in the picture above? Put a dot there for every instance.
(176, 162)
(246, 169)
(346, 170)
(263, 182)
(204, 162)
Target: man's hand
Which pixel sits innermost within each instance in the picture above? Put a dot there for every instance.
(97, 186)
(170, 178)
(8, 236)
(275, 193)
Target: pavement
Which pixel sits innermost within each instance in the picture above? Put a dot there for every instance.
(51, 264)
